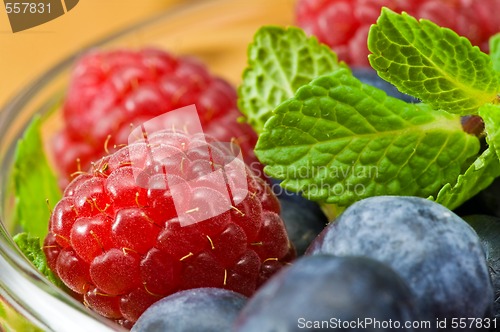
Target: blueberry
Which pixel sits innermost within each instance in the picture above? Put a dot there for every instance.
(303, 218)
(199, 309)
(322, 292)
(438, 254)
(370, 76)
(488, 230)
(303, 223)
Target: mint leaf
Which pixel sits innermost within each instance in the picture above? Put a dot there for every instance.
(431, 63)
(490, 113)
(34, 182)
(279, 62)
(477, 177)
(339, 141)
(495, 51)
(31, 248)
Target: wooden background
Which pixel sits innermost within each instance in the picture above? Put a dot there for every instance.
(25, 55)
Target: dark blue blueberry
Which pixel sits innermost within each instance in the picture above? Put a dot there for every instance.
(438, 254)
(200, 310)
(303, 218)
(323, 292)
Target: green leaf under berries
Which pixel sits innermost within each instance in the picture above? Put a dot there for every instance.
(431, 63)
(495, 51)
(34, 182)
(31, 248)
(339, 140)
(478, 176)
(279, 62)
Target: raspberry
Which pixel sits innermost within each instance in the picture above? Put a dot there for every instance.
(111, 90)
(344, 24)
(117, 236)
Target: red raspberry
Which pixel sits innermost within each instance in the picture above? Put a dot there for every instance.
(117, 236)
(344, 24)
(111, 90)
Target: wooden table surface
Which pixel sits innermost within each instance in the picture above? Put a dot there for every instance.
(25, 55)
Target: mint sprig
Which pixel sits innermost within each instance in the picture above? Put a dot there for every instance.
(34, 182)
(339, 140)
(280, 61)
(432, 63)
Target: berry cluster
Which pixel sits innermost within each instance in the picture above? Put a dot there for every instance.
(146, 223)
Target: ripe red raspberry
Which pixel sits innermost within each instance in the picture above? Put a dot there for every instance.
(344, 24)
(110, 91)
(131, 230)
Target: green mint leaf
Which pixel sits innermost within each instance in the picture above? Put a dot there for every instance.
(279, 62)
(478, 176)
(339, 140)
(431, 63)
(495, 51)
(490, 113)
(31, 248)
(34, 182)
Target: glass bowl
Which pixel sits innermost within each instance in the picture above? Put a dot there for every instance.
(216, 31)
